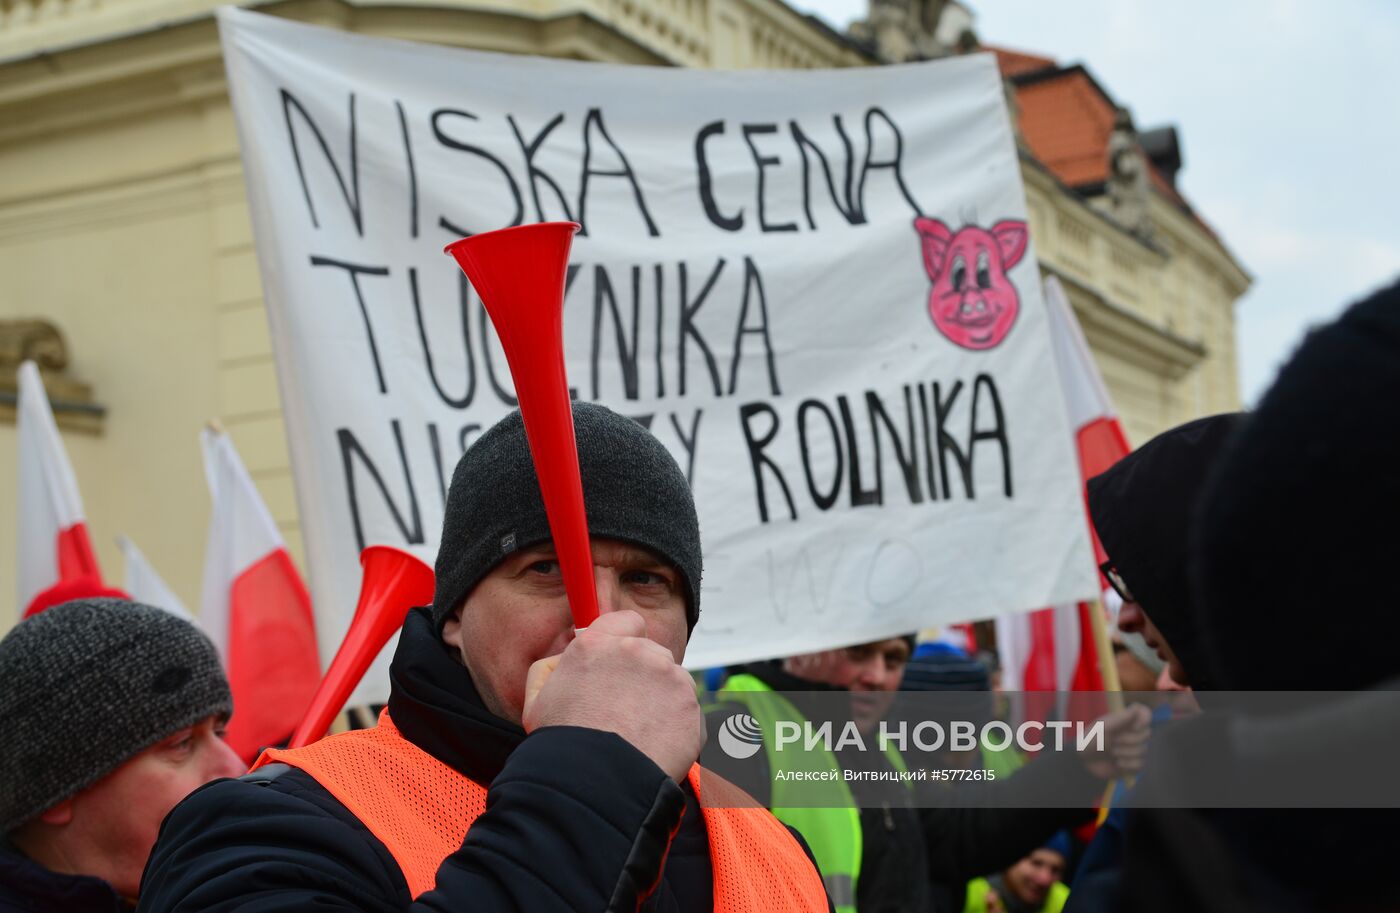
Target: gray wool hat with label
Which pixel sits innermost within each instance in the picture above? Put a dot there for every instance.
(89, 684)
(632, 491)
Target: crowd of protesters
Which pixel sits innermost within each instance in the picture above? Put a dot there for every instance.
(520, 765)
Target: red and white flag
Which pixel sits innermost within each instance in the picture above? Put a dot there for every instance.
(144, 585)
(255, 607)
(56, 560)
(1053, 649)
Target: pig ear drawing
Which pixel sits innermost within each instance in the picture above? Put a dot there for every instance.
(1011, 238)
(935, 237)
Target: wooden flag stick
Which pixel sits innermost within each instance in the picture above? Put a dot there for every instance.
(1113, 688)
(1103, 646)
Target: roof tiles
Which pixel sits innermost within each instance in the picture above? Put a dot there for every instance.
(1066, 119)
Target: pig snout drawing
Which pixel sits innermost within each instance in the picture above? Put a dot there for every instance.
(973, 303)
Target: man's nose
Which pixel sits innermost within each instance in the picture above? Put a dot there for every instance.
(609, 590)
(224, 762)
(872, 671)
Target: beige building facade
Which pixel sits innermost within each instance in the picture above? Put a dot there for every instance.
(127, 265)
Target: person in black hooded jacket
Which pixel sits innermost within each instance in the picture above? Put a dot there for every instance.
(519, 765)
(1294, 586)
(1142, 508)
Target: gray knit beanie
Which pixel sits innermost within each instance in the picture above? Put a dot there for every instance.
(632, 491)
(85, 686)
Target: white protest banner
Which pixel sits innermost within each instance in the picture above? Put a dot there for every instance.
(816, 288)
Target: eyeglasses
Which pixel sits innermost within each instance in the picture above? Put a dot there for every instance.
(1115, 580)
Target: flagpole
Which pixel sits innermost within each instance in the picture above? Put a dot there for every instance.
(1112, 686)
(1108, 667)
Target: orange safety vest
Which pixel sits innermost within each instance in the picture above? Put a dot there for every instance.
(421, 810)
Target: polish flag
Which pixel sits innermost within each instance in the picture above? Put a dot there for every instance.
(1053, 649)
(56, 560)
(254, 607)
(145, 585)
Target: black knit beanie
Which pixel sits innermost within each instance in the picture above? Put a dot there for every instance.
(87, 685)
(945, 672)
(633, 491)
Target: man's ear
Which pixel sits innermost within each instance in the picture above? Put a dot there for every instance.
(58, 815)
(452, 631)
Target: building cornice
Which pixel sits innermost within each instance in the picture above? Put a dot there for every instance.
(1035, 169)
(130, 66)
(1202, 243)
(1117, 330)
(680, 33)
(41, 342)
(1165, 213)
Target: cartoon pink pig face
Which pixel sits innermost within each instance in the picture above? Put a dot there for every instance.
(972, 302)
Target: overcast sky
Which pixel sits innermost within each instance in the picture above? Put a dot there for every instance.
(1289, 118)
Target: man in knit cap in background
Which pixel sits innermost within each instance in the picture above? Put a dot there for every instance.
(114, 711)
(520, 765)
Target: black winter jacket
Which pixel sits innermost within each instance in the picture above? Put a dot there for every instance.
(576, 819)
(27, 887)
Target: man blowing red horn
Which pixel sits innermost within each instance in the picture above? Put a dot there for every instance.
(519, 765)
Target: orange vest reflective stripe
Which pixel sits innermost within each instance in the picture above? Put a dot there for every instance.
(421, 809)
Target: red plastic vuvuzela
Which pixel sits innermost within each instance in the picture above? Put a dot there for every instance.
(519, 274)
(394, 582)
